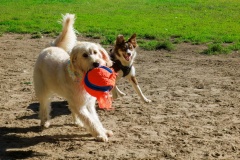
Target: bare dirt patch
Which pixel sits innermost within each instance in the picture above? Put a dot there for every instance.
(195, 113)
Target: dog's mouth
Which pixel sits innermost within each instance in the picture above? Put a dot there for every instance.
(127, 57)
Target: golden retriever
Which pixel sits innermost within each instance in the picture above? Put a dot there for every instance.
(59, 69)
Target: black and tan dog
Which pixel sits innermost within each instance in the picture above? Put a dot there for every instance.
(123, 55)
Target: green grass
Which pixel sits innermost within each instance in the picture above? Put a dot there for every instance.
(234, 46)
(217, 48)
(194, 21)
(156, 45)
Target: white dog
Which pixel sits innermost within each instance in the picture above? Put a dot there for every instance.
(59, 69)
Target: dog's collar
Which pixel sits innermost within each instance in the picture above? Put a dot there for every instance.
(75, 76)
(117, 65)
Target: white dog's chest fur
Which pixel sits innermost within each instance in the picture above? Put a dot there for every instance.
(57, 78)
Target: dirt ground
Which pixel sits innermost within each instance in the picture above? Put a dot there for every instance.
(195, 113)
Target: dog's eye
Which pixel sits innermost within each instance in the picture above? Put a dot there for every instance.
(85, 55)
(94, 52)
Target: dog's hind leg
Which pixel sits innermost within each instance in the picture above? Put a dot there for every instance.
(45, 107)
(43, 95)
(135, 85)
(44, 111)
(117, 92)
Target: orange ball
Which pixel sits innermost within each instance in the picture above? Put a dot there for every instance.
(98, 82)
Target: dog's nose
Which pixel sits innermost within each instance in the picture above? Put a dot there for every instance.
(96, 64)
(129, 54)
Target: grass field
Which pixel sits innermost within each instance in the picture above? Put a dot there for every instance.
(195, 21)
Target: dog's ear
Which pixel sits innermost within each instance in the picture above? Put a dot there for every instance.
(105, 56)
(73, 62)
(120, 40)
(133, 40)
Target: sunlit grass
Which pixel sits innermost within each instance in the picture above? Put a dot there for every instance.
(194, 21)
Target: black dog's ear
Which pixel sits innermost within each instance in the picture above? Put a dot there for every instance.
(120, 40)
(133, 40)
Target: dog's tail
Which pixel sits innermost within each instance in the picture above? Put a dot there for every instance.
(67, 38)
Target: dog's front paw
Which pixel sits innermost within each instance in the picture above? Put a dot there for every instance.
(78, 123)
(147, 100)
(45, 124)
(102, 138)
(109, 133)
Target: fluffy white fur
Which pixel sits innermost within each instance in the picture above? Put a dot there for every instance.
(67, 38)
(59, 69)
